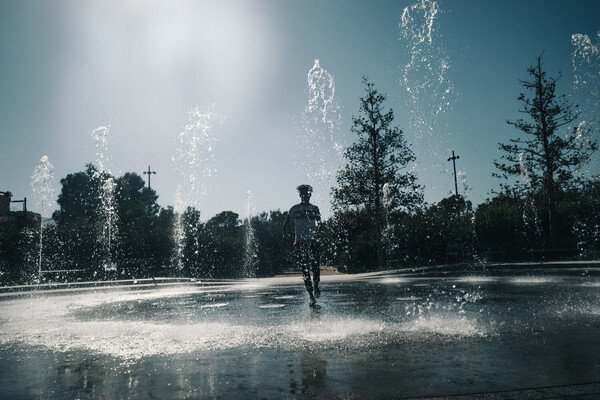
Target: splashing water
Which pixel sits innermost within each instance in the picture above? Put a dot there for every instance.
(178, 231)
(194, 160)
(42, 185)
(389, 242)
(586, 71)
(425, 79)
(321, 149)
(107, 212)
(321, 87)
(251, 246)
(109, 229)
(195, 163)
(523, 169)
(100, 136)
(531, 224)
(462, 179)
(586, 89)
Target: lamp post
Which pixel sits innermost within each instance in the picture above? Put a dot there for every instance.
(454, 158)
(149, 172)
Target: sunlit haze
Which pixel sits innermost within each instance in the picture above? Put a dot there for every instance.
(141, 68)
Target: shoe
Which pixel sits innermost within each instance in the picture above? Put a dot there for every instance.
(317, 291)
(312, 302)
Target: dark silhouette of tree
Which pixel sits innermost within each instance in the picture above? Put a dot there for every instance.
(194, 261)
(378, 158)
(137, 240)
(439, 233)
(553, 149)
(78, 220)
(18, 249)
(226, 245)
(224, 220)
(143, 243)
(274, 255)
(79, 196)
(163, 241)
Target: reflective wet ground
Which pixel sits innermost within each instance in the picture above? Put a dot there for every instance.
(373, 336)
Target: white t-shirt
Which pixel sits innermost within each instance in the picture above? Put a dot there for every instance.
(305, 218)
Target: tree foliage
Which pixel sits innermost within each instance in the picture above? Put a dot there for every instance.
(376, 179)
(553, 147)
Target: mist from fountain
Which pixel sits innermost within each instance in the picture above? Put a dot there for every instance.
(42, 183)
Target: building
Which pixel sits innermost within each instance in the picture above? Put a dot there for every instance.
(17, 219)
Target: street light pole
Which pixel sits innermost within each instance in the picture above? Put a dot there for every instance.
(149, 172)
(454, 158)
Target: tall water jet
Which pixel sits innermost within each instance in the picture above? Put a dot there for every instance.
(178, 231)
(424, 77)
(470, 245)
(389, 242)
(251, 246)
(532, 230)
(586, 75)
(107, 212)
(42, 185)
(586, 91)
(321, 147)
(195, 163)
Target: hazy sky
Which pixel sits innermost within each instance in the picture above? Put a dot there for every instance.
(69, 67)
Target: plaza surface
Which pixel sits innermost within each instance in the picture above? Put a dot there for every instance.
(503, 332)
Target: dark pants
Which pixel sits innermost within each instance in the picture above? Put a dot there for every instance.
(307, 258)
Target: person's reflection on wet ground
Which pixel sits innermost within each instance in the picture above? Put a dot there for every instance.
(313, 371)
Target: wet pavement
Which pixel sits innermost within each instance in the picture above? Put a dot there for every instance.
(385, 335)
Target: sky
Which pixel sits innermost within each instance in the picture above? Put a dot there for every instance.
(154, 71)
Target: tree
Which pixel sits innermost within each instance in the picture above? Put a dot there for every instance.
(78, 220)
(553, 148)
(377, 160)
(274, 254)
(226, 245)
(137, 210)
(142, 243)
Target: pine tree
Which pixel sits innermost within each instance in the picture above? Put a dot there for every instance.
(378, 159)
(548, 157)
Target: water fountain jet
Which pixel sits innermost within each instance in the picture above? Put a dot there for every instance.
(107, 212)
(42, 185)
(251, 246)
(195, 163)
(321, 148)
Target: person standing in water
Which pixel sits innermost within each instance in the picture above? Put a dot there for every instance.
(307, 220)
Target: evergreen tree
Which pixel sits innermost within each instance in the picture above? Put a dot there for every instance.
(378, 159)
(548, 155)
